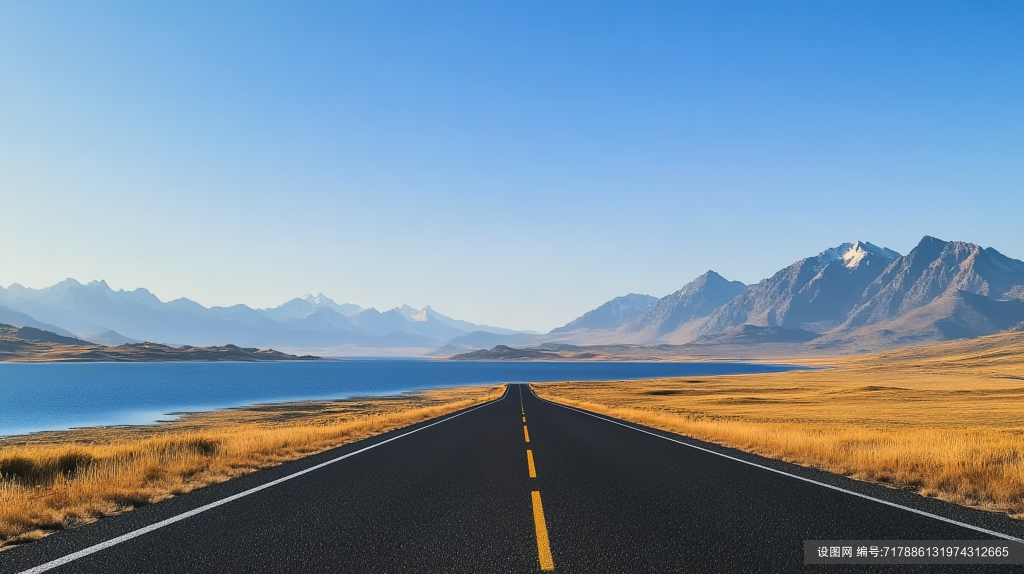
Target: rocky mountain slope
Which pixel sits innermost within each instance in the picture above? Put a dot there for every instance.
(695, 300)
(610, 315)
(935, 269)
(815, 294)
(853, 297)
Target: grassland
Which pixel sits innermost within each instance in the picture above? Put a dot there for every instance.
(946, 420)
(56, 480)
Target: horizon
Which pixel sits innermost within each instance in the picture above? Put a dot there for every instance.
(512, 165)
(400, 306)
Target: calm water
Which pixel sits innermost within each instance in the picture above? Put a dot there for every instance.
(56, 396)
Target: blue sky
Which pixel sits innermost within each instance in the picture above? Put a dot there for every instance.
(513, 163)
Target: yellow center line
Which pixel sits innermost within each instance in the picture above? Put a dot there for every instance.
(529, 462)
(526, 433)
(543, 547)
(524, 419)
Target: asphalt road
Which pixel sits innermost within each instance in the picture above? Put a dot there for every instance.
(457, 495)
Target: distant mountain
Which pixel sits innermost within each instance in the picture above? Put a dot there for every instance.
(478, 340)
(610, 315)
(376, 323)
(41, 336)
(110, 339)
(427, 314)
(95, 308)
(505, 353)
(940, 290)
(107, 316)
(322, 319)
(858, 297)
(855, 296)
(814, 294)
(14, 318)
(852, 297)
(302, 306)
(695, 300)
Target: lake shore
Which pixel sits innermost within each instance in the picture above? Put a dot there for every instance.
(942, 420)
(56, 396)
(55, 480)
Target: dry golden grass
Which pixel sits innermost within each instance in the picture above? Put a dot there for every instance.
(944, 419)
(51, 481)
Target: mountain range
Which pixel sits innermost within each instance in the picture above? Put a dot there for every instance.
(848, 298)
(97, 313)
(855, 296)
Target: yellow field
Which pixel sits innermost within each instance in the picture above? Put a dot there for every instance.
(51, 481)
(946, 420)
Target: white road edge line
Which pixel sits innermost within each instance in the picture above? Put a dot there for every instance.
(157, 525)
(796, 476)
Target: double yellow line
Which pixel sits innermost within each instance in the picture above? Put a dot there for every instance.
(543, 544)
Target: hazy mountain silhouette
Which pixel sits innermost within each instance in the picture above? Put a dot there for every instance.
(483, 340)
(428, 314)
(14, 318)
(611, 314)
(109, 338)
(103, 315)
(302, 306)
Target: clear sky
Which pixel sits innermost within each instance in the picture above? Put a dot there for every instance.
(513, 163)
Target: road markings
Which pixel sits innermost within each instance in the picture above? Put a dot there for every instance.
(543, 544)
(543, 547)
(798, 477)
(157, 525)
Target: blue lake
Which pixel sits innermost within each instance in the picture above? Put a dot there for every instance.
(54, 396)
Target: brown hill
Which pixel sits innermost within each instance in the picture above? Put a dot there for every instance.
(27, 344)
(505, 353)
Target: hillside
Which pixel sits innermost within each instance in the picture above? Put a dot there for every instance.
(27, 344)
(609, 315)
(815, 294)
(694, 301)
(505, 353)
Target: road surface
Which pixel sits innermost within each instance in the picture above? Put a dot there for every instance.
(516, 485)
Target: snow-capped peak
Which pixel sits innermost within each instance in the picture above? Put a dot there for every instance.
(421, 316)
(317, 300)
(851, 254)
